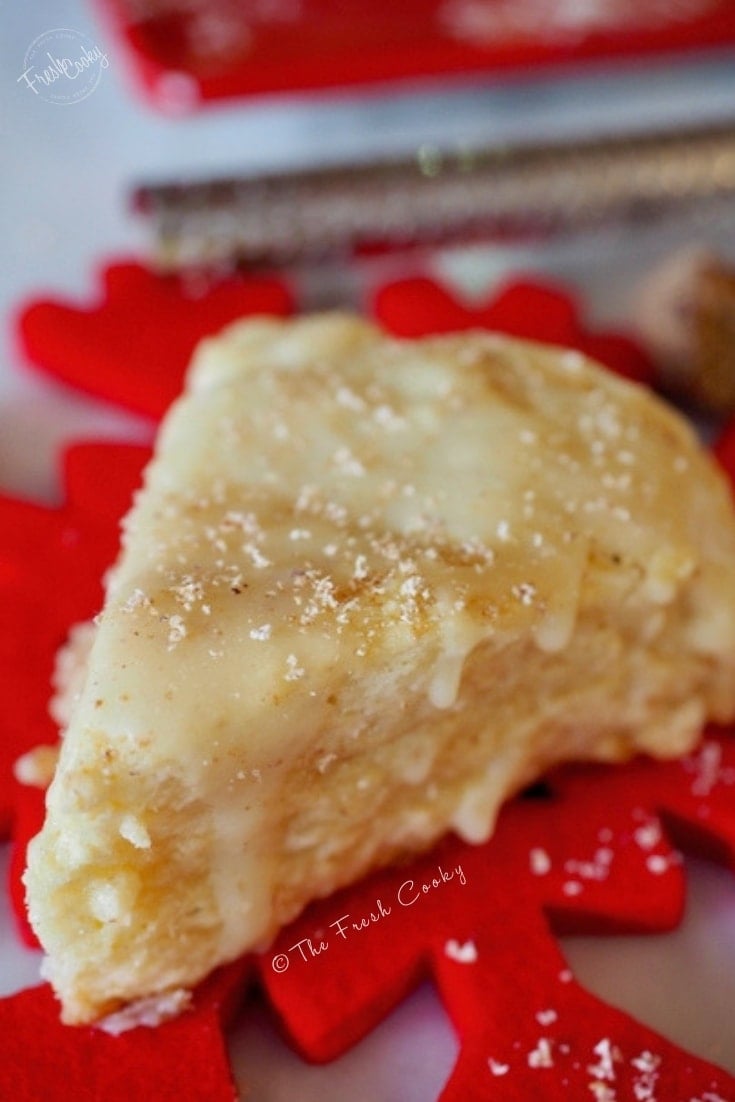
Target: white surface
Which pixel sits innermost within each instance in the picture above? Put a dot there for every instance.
(64, 176)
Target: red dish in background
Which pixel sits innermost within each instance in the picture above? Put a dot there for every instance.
(184, 52)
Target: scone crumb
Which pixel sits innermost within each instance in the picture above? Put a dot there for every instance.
(540, 1056)
(151, 1012)
(261, 634)
(69, 671)
(188, 592)
(644, 1084)
(648, 835)
(325, 761)
(539, 861)
(706, 769)
(659, 863)
(294, 672)
(137, 599)
(461, 952)
(608, 1055)
(36, 768)
(133, 830)
(176, 631)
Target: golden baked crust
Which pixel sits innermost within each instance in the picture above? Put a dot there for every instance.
(370, 588)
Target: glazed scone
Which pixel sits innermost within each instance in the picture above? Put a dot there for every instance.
(369, 590)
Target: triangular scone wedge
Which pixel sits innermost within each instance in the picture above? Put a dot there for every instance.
(370, 589)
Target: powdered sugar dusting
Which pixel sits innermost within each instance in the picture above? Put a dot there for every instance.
(541, 1056)
(706, 769)
(462, 952)
(539, 861)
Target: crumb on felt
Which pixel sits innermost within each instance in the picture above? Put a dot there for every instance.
(461, 952)
(541, 1056)
(539, 861)
(149, 1012)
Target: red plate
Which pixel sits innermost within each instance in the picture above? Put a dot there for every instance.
(187, 51)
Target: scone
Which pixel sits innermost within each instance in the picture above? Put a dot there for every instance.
(370, 589)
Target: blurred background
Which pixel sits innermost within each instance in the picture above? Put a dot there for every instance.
(453, 94)
(588, 144)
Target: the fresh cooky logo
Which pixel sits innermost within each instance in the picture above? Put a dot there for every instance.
(63, 66)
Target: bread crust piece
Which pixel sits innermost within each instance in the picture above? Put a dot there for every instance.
(370, 589)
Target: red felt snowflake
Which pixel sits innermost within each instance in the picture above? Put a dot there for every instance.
(523, 308)
(133, 345)
(594, 856)
(594, 853)
(183, 1060)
